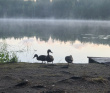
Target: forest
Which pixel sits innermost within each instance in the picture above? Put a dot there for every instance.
(57, 9)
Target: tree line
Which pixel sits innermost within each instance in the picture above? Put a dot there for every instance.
(60, 9)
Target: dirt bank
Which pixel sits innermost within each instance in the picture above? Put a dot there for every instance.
(56, 78)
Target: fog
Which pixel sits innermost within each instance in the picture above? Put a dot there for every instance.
(58, 9)
(64, 30)
(80, 38)
(72, 26)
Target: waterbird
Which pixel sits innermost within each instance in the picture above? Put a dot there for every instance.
(40, 58)
(69, 59)
(49, 58)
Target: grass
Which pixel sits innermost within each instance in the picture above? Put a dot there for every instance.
(99, 79)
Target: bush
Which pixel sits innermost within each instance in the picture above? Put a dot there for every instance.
(13, 58)
(5, 56)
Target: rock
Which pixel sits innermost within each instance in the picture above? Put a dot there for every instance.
(56, 91)
(22, 83)
(76, 78)
(39, 86)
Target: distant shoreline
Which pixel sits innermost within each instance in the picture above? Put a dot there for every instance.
(54, 19)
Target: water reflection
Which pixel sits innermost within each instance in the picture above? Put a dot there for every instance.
(63, 37)
(63, 30)
(27, 47)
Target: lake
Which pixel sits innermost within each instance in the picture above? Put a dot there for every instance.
(79, 38)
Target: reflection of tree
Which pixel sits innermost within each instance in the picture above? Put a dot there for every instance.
(59, 30)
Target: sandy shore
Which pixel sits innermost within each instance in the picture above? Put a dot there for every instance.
(56, 78)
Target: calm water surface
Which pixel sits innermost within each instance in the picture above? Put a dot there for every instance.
(79, 38)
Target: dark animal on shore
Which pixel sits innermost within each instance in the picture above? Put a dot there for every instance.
(49, 58)
(40, 58)
(69, 59)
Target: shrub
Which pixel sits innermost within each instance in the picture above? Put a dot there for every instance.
(13, 58)
(5, 56)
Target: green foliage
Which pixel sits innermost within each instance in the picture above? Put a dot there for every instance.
(5, 55)
(13, 58)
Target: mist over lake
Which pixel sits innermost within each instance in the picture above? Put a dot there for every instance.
(79, 38)
(70, 37)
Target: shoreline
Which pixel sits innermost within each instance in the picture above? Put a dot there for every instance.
(54, 78)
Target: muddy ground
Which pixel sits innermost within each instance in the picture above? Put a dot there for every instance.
(54, 78)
